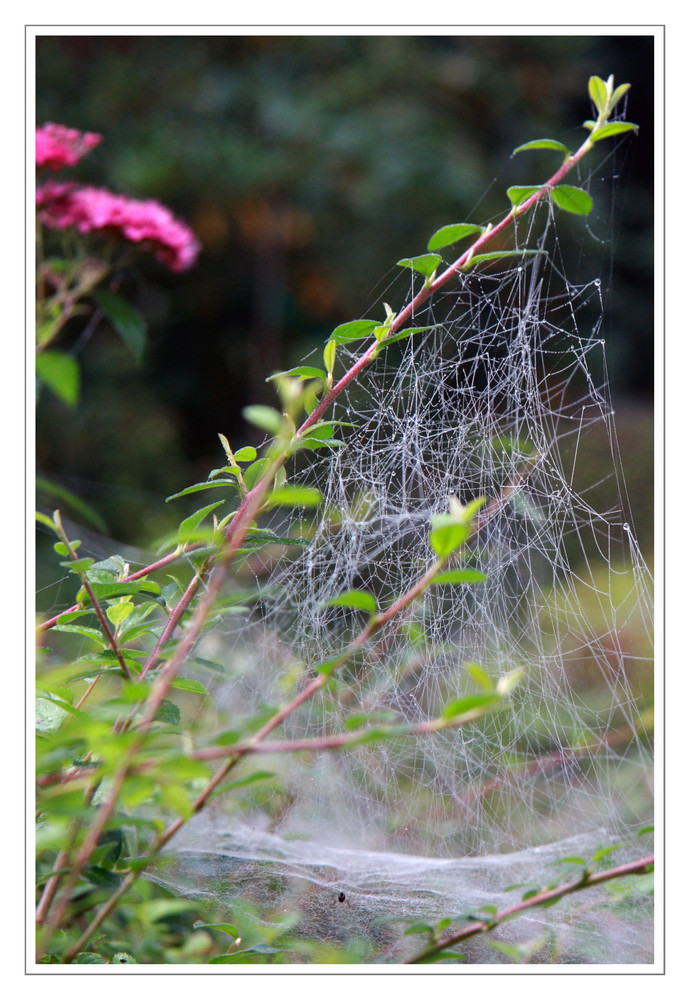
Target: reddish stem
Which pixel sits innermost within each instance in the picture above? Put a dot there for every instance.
(540, 899)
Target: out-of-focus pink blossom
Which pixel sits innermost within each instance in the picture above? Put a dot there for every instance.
(58, 146)
(89, 209)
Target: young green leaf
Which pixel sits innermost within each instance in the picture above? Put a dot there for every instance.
(425, 264)
(63, 550)
(60, 372)
(186, 684)
(519, 193)
(329, 357)
(255, 471)
(410, 331)
(453, 233)
(447, 535)
(480, 676)
(84, 513)
(355, 330)
(544, 144)
(613, 128)
(293, 496)
(118, 613)
(360, 599)
(247, 454)
(197, 487)
(104, 591)
(598, 92)
(83, 630)
(499, 254)
(572, 199)
(264, 417)
(191, 523)
(301, 372)
(472, 705)
(45, 520)
(77, 565)
(617, 94)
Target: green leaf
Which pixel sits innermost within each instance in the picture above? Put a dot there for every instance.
(45, 520)
(543, 144)
(617, 94)
(447, 535)
(103, 591)
(312, 443)
(60, 372)
(225, 928)
(125, 318)
(605, 851)
(520, 193)
(453, 233)
(264, 417)
(247, 454)
(480, 676)
(360, 599)
(293, 496)
(354, 330)
(83, 510)
(443, 956)
(410, 331)
(598, 93)
(418, 927)
(572, 199)
(613, 128)
(186, 684)
(254, 472)
(191, 523)
(238, 957)
(425, 264)
(459, 576)
(470, 704)
(301, 372)
(197, 487)
(498, 254)
(329, 356)
(118, 613)
(168, 713)
(77, 565)
(83, 630)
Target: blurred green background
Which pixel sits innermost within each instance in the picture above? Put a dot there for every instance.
(308, 166)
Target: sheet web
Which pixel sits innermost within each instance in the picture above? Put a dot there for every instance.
(499, 400)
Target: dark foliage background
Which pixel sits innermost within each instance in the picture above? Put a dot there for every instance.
(308, 166)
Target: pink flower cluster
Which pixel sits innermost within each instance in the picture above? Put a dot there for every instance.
(90, 209)
(58, 146)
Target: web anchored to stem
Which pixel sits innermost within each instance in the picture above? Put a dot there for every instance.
(455, 647)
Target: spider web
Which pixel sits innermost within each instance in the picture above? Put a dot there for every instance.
(498, 400)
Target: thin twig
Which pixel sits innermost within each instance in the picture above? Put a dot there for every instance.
(549, 896)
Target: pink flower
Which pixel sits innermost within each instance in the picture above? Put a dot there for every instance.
(58, 146)
(89, 209)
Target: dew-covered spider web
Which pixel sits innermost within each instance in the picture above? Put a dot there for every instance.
(501, 399)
